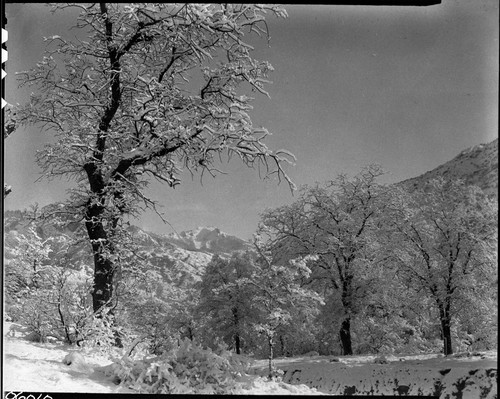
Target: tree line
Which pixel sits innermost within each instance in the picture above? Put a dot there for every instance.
(352, 266)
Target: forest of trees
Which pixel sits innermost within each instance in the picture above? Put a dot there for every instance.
(351, 266)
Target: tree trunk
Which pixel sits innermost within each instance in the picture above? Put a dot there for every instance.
(237, 338)
(345, 328)
(237, 343)
(283, 346)
(104, 268)
(345, 336)
(63, 323)
(445, 319)
(190, 333)
(271, 354)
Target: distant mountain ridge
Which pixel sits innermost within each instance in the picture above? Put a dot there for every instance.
(179, 258)
(477, 165)
(202, 239)
(208, 239)
(183, 257)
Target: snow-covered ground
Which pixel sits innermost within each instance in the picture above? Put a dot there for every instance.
(462, 376)
(34, 367)
(29, 366)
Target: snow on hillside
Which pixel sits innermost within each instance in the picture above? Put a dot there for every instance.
(34, 367)
(477, 165)
(176, 264)
(468, 377)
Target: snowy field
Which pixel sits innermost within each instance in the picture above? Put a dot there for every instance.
(34, 367)
(464, 376)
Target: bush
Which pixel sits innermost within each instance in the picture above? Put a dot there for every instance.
(57, 304)
(185, 369)
(100, 332)
(151, 319)
(36, 316)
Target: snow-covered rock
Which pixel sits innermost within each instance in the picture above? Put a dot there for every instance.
(76, 361)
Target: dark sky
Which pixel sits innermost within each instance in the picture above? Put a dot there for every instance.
(405, 87)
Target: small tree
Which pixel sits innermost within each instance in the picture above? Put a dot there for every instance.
(27, 263)
(50, 299)
(277, 293)
(226, 299)
(446, 244)
(27, 285)
(146, 90)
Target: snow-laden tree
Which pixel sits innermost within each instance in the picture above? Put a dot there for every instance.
(277, 293)
(51, 299)
(336, 225)
(392, 320)
(143, 92)
(445, 242)
(26, 263)
(226, 299)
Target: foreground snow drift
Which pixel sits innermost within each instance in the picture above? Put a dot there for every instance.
(55, 367)
(467, 377)
(34, 367)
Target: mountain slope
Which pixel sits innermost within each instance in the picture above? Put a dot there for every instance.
(477, 165)
(179, 258)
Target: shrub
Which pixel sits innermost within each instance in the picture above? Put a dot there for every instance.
(151, 319)
(185, 369)
(36, 315)
(99, 332)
